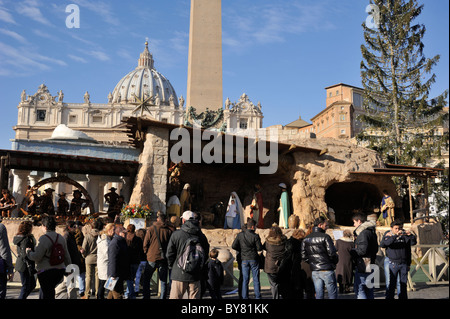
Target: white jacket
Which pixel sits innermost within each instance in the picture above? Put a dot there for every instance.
(102, 256)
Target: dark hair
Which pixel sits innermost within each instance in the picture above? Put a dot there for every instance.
(98, 224)
(319, 220)
(250, 223)
(213, 253)
(49, 222)
(360, 217)
(131, 228)
(25, 228)
(275, 232)
(161, 216)
(397, 222)
(298, 234)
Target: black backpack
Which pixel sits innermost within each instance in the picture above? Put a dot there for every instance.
(192, 258)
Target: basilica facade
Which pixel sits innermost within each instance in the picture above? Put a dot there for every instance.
(47, 123)
(142, 92)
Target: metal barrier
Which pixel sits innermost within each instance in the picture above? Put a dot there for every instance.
(430, 256)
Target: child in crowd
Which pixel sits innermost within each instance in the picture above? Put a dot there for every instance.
(215, 275)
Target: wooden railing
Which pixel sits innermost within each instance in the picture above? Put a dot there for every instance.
(430, 258)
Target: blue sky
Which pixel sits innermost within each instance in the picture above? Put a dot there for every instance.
(280, 52)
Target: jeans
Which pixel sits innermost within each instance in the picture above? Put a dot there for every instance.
(81, 283)
(139, 274)
(398, 271)
(386, 275)
(28, 284)
(325, 278)
(163, 270)
(253, 266)
(360, 287)
(131, 292)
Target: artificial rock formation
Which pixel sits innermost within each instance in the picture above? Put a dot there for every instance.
(311, 175)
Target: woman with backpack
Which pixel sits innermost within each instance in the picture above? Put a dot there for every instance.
(51, 257)
(25, 267)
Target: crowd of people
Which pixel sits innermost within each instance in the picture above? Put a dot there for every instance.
(310, 263)
(113, 262)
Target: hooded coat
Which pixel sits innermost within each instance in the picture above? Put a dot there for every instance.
(275, 247)
(23, 242)
(366, 243)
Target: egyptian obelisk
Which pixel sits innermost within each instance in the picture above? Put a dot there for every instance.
(204, 87)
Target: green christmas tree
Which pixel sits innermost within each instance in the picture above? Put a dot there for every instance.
(401, 121)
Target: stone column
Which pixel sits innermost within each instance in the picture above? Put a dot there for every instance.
(151, 181)
(93, 188)
(20, 184)
(101, 196)
(34, 179)
(127, 188)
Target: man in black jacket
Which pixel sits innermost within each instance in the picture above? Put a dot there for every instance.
(319, 252)
(364, 254)
(184, 280)
(248, 244)
(398, 244)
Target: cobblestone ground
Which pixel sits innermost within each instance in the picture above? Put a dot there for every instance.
(422, 291)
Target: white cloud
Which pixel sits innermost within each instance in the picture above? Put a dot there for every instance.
(180, 42)
(273, 22)
(77, 58)
(18, 59)
(125, 54)
(29, 8)
(44, 34)
(23, 61)
(103, 9)
(5, 16)
(97, 54)
(13, 34)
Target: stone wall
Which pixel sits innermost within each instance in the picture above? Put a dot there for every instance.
(151, 181)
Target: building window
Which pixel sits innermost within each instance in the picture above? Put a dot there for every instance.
(343, 131)
(337, 92)
(40, 115)
(331, 94)
(97, 119)
(243, 124)
(164, 120)
(72, 119)
(342, 117)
